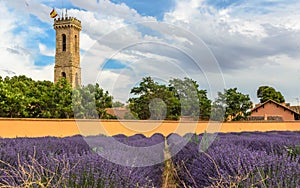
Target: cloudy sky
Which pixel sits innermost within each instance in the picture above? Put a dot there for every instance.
(219, 43)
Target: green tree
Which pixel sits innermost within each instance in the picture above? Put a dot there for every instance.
(117, 104)
(23, 97)
(62, 98)
(153, 101)
(103, 101)
(265, 93)
(193, 101)
(90, 102)
(231, 105)
(40, 99)
(84, 105)
(14, 100)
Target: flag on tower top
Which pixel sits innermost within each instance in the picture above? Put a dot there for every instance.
(53, 13)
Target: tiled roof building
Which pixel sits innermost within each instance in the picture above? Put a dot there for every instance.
(272, 110)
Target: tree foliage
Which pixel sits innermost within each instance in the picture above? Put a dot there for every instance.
(179, 98)
(22, 97)
(117, 104)
(154, 101)
(265, 93)
(231, 105)
(90, 102)
(193, 102)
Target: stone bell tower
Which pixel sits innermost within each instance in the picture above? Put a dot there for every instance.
(67, 56)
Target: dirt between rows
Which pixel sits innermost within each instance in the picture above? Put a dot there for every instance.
(10, 128)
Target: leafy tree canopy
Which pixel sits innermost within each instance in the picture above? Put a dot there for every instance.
(23, 97)
(179, 98)
(117, 104)
(265, 93)
(231, 105)
(193, 101)
(153, 101)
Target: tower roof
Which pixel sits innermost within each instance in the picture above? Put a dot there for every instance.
(67, 22)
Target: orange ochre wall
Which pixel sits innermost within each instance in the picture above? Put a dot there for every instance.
(10, 128)
(271, 109)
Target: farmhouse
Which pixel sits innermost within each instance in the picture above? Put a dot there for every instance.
(271, 110)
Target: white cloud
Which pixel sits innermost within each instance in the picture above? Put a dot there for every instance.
(15, 58)
(21, 63)
(86, 42)
(282, 73)
(45, 51)
(246, 43)
(117, 83)
(251, 41)
(185, 10)
(22, 10)
(111, 10)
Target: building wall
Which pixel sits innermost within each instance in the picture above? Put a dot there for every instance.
(11, 128)
(271, 109)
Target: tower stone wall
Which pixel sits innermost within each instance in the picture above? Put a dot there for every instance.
(67, 56)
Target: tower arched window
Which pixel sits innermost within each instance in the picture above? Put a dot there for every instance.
(76, 44)
(76, 80)
(63, 74)
(64, 42)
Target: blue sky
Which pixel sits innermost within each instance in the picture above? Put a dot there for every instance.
(155, 8)
(229, 43)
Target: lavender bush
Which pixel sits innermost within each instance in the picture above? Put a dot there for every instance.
(249, 159)
(70, 162)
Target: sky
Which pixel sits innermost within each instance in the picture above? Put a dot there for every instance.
(221, 44)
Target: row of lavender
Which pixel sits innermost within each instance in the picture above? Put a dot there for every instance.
(71, 162)
(249, 159)
(243, 159)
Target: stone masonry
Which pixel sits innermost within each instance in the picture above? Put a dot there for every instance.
(67, 56)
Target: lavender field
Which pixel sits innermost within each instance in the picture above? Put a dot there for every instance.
(248, 159)
(71, 162)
